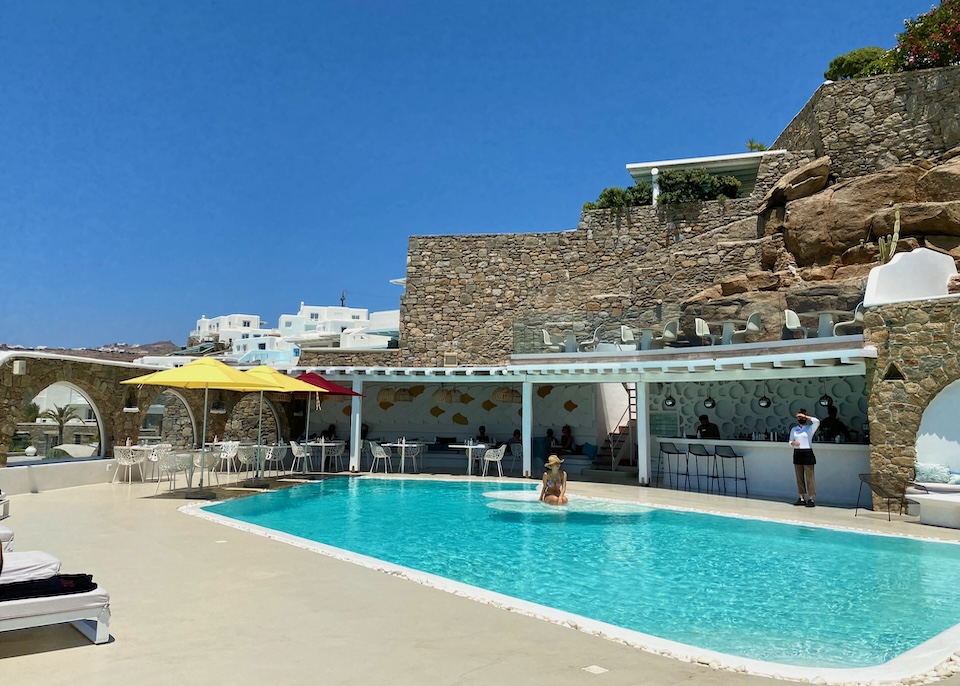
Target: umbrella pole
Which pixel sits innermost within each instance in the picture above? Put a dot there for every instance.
(200, 495)
(306, 435)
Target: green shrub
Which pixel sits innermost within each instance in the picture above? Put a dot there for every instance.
(930, 40)
(851, 64)
(695, 185)
(617, 198)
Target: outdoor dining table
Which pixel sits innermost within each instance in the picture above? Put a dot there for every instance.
(824, 320)
(402, 447)
(470, 448)
(323, 445)
(647, 336)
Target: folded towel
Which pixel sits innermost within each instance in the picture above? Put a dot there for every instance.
(61, 584)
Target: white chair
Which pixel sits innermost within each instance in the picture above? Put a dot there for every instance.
(206, 461)
(127, 457)
(413, 454)
(516, 451)
(702, 331)
(494, 455)
(275, 454)
(380, 454)
(752, 327)
(247, 457)
(792, 324)
(336, 453)
(228, 454)
(590, 344)
(552, 344)
(839, 329)
(299, 457)
(626, 336)
(171, 464)
(671, 332)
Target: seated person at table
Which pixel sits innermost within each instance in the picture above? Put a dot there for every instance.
(515, 438)
(330, 433)
(831, 426)
(566, 440)
(554, 482)
(707, 429)
(551, 439)
(364, 430)
(482, 436)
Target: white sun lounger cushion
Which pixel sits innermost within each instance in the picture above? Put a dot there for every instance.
(76, 608)
(28, 566)
(6, 538)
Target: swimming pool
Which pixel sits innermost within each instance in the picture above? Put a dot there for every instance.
(766, 591)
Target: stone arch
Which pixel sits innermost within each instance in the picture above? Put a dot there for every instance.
(178, 417)
(917, 338)
(244, 418)
(84, 393)
(938, 437)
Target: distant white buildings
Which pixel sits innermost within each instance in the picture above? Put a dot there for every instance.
(250, 341)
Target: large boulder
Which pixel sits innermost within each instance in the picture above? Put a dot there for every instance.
(918, 219)
(940, 184)
(806, 180)
(819, 229)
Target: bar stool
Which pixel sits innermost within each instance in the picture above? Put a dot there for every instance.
(669, 449)
(696, 451)
(725, 452)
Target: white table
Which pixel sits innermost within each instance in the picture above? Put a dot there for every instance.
(470, 448)
(322, 444)
(403, 447)
(825, 320)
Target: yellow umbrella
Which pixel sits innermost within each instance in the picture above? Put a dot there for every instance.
(205, 373)
(283, 384)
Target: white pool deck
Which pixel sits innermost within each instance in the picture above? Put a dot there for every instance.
(197, 602)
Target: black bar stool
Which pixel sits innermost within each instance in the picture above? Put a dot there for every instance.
(669, 449)
(725, 452)
(697, 451)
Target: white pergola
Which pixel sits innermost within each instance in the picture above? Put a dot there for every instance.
(827, 357)
(744, 166)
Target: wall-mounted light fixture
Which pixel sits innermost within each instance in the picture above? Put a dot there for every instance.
(130, 404)
(19, 367)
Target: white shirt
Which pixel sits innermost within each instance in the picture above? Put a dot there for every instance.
(804, 434)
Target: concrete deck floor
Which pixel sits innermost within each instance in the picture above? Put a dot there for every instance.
(197, 602)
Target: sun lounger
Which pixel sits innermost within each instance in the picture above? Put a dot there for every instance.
(6, 538)
(88, 611)
(28, 566)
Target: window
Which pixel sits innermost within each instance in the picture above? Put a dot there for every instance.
(261, 346)
(244, 335)
(287, 324)
(245, 323)
(314, 315)
(355, 316)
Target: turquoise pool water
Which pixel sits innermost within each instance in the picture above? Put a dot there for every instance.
(768, 591)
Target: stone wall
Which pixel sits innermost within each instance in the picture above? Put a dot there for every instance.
(916, 340)
(470, 294)
(865, 125)
(100, 384)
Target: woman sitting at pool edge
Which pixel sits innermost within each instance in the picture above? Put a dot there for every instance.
(554, 490)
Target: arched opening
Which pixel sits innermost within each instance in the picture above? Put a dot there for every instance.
(938, 439)
(169, 419)
(245, 420)
(59, 423)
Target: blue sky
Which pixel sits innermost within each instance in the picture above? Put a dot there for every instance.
(163, 160)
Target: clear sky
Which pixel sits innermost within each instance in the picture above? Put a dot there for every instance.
(163, 160)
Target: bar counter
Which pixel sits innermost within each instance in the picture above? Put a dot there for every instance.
(769, 468)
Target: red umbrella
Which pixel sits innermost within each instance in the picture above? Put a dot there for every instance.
(328, 386)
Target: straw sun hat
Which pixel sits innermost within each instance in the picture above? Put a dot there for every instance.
(552, 461)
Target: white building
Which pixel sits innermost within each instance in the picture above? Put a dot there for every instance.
(226, 328)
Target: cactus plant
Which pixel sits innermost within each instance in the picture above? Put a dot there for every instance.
(888, 245)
